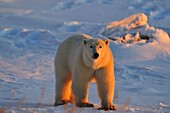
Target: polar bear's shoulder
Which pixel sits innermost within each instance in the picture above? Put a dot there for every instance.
(80, 37)
(76, 39)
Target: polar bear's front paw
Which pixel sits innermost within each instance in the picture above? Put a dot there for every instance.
(84, 105)
(108, 107)
(62, 102)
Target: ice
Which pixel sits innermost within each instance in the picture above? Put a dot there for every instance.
(134, 29)
(31, 31)
(134, 38)
(130, 22)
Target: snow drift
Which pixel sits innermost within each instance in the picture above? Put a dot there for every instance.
(135, 39)
(29, 36)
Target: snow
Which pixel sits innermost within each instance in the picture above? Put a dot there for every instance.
(134, 29)
(30, 32)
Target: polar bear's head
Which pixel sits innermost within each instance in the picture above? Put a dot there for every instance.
(94, 50)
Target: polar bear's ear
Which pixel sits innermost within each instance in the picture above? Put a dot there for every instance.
(107, 41)
(84, 42)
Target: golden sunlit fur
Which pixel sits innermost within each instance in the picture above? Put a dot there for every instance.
(80, 59)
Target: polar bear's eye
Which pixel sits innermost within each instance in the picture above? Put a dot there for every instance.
(91, 46)
(100, 46)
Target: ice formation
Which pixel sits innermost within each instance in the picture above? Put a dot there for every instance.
(134, 29)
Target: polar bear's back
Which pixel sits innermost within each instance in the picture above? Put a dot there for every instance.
(72, 43)
(69, 49)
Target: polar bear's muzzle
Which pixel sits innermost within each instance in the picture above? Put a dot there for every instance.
(95, 55)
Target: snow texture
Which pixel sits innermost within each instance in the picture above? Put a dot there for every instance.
(31, 31)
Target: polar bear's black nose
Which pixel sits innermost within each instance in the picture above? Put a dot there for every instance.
(95, 55)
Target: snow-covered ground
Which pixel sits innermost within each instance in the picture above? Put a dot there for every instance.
(31, 30)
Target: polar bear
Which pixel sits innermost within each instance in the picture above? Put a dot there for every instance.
(79, 59)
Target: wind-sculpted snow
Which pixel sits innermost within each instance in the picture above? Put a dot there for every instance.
(26, 61)
(154, 9)
(31, 31)
(134, 29)
(69, 4)
(29, 39)
(134, 39)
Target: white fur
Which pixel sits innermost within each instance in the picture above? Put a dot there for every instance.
(75, 68)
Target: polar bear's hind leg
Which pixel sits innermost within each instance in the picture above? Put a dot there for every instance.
(63, 85)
